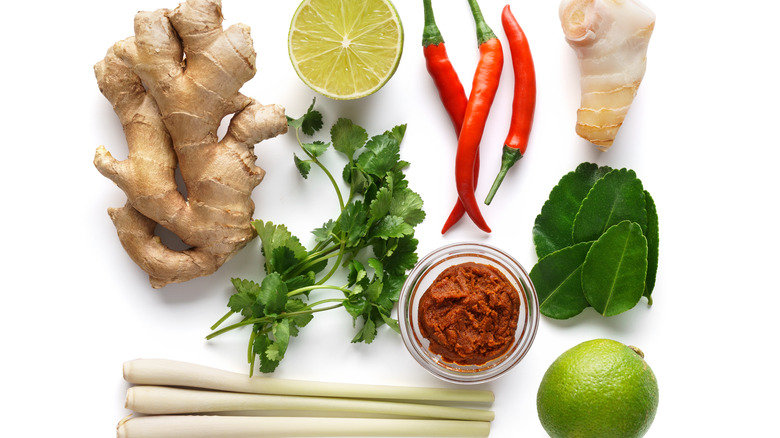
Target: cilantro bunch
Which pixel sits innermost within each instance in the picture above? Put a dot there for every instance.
(372, 241)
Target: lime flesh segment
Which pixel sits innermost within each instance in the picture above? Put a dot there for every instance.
(345, 49)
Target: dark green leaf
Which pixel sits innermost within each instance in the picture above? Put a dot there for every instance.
(391, 322)
(358, 180)
(381, 155)
(273, 293)
(260, 347)
(376, 265)
(380, 206)
(374, 291)
(616, 197)
(367, 333)
(553, 226)
(391, 226)
(408, 205)
(299, 281)
(282, 259)
(557, 278)
(245, 298)
(392, 286)
(352, 222)
(398, 132)
(615, 269)
(652, 245)
(303, 166)
(356, 306)
(347, 137)
(403, 256)
(294, 306)
(316, 148)
(357, 273)
(274, 236)
(309, 123)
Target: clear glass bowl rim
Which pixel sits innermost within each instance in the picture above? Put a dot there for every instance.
(526, 329)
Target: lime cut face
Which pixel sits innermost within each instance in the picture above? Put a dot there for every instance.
(345, 49)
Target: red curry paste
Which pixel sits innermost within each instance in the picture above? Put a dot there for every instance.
(469, 314)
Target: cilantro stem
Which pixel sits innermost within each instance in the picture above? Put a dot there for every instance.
(321, 166)
(312, 259)
(269, 319)
(223, 319)
(336, 265)
(301, 290)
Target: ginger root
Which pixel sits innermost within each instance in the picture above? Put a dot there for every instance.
(610, 38)
(171, 85)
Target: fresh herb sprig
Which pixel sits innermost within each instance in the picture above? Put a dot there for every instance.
(372, 240)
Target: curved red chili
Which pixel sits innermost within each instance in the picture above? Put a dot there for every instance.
(451, 91)
(524, 99)
(483, 91)
(444, 76)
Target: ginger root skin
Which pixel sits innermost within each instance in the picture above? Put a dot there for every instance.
(610, 38)
(171, 84)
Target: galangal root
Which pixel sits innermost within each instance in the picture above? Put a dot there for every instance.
(610, 38)
(171, 85)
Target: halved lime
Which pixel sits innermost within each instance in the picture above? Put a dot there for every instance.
(345, 49)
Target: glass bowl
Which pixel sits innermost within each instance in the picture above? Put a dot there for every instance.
(420, 279)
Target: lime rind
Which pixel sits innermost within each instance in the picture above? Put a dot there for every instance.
(339, 67)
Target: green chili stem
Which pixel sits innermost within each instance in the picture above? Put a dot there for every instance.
(431, 32)
(508, 159)
(484, 32)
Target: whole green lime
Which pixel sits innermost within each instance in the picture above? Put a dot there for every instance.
(600, 389)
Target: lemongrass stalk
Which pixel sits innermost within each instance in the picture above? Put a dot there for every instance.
(174, 373)
(157, 400)
(210, 426)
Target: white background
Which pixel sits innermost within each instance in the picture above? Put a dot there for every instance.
(702, 135)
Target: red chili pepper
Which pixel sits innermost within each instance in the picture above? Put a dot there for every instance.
(450, 88)
(483, 91)
(444, 76)
(524, 100)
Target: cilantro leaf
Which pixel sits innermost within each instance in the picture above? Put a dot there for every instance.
(273, 293)
(281, 332)
(245, 298)
(303, 166)
(352, 222)
(381, 204)
(299, 318)
(260, 347)
(274, 236)
(391, 226)
(325, 232)
(381, 155)
(300, 281)
(283, 259)
(397, 255)
(408, 205)
(316, 148)
(367, 333)
(347, 137)
(309, 123)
